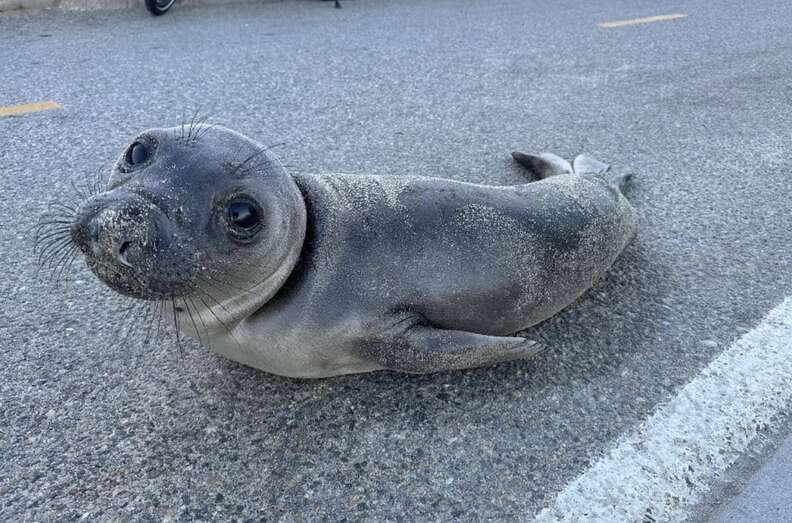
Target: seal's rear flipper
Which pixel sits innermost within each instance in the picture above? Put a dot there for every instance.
(622, 181)
(419, 348)
(585, 164)
(543, 165)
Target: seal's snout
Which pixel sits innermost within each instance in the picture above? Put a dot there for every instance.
(119, 232)
(113, 232)
(129, 242)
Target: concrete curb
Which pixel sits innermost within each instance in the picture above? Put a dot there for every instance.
(91, 5)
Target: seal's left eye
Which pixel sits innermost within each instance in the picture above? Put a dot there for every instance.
(138, 153)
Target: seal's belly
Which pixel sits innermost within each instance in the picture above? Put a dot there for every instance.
(290, 353)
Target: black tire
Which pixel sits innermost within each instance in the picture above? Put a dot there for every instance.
(159, 7)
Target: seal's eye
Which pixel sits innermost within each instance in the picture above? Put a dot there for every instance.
(244, 217)
(138, 153)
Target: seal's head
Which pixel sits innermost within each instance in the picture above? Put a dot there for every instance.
(204, 213)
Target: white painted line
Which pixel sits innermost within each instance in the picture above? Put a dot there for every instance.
(646, 20)
(664, 466)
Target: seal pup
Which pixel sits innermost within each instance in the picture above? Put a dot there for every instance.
(315, 275)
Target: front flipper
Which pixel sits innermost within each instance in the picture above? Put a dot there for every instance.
(418, 348)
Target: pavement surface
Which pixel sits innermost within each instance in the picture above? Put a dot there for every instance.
(99, 427)
(768, 495)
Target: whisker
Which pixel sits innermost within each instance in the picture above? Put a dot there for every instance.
(52, 242)
(64, 224)
(59, 204)
(57, 263)
(152, 313)
(57, 218)
(54, 211)
(52, 249)
(65, 263)
(218, 302)
(83, 196)
(227, 329)
(98, 181)
(255, 156)
(190, 128)
(139, 311)
(58, 258)
(217, 284)
(61, 212)
(198, 127)
(130, 326)
(248, 159)
(159, 319)
(192, 320)
(176, 326)
(43, 233)
(195, 120)
(51, 233)
(183, 123)
(200, 318)
(203, 130)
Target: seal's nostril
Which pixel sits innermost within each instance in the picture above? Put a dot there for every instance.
(122, 254)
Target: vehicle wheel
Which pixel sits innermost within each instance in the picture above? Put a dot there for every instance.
(159, 7)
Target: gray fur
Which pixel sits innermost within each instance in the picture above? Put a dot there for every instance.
(408, 273)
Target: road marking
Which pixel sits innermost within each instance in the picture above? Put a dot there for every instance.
(647, 20)
(11, 110)
(657, 471)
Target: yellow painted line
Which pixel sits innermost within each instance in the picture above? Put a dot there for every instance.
(647, 20)
(11, 110)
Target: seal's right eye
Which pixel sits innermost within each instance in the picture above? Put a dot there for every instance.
(138, 153)
(244, 218)
(243, 215)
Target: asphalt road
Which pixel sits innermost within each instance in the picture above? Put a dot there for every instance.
(767, 497)
(92, 425)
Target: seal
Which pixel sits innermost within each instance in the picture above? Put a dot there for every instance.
(316, 275)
